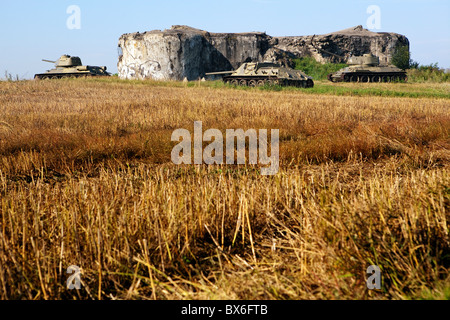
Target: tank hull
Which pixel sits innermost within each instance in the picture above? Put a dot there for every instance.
(58, 75)
(367, 76)
(255, 81)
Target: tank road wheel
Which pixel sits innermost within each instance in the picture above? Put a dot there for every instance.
(365, 79)
(353, 78)
(269, 82)
(309, 83)
(347, 78)
(252, 83)
(234, 82)
(375, 79)
(242, 82)
(386, 79)
(260, 83)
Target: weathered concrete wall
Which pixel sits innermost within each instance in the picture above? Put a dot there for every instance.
(338, 46)
(184, 52)
(168, 55)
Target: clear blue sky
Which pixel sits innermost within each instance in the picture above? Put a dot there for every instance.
(35, 30)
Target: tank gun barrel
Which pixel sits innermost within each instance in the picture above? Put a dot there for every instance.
(220, 72)
(51, 61)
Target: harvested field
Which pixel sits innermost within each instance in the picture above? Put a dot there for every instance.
(86, 179)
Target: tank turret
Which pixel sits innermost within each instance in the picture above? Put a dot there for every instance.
(364, 60)
(68, 61)
(70, 66)
(366, 68)
(254, 74)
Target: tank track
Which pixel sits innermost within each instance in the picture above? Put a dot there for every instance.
(262, 81)
(62, 75)
(368, 77)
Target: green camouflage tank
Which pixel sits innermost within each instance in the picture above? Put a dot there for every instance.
(255, 74)
(67, 66)
(366, 68)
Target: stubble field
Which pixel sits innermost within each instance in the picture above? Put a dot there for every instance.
(86, 179)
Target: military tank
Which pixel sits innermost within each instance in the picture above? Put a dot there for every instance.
(255, 74)
(366, 68)
(67, 66)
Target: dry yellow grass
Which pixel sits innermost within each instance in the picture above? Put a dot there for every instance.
(86, 179)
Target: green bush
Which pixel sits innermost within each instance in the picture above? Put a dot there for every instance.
(317, 70)
(416, 72)
(401, 57)
(427, 73)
